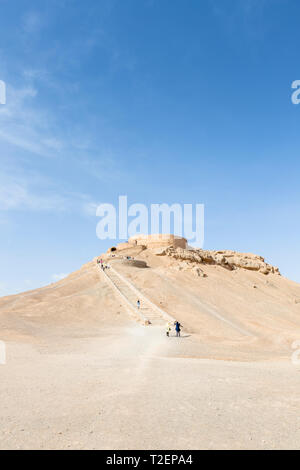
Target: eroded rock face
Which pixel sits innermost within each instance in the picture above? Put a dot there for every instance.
(198, 272)
(226, 258)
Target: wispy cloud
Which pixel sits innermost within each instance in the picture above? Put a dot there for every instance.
(27, 193)
(90, 208)
(15, 195)
(23, 125)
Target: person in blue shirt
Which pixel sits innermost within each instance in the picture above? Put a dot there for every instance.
(177, 328)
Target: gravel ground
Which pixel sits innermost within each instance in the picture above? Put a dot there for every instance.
(133, 388)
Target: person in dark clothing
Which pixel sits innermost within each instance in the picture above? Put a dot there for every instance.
(177, 328)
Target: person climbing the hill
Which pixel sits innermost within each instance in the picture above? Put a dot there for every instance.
(168, 329)
(138, 304)
(177, 328)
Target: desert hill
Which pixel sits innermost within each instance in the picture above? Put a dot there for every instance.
(84, 372)
(232, 305)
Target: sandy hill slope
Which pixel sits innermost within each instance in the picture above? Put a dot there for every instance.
(231, 305)
(83, 372)
(231, 302)
(78, 303)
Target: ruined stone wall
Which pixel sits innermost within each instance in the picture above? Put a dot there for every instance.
(155, 241)
(124, 246)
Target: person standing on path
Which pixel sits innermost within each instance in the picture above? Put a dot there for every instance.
(138, 304)
(177, 328)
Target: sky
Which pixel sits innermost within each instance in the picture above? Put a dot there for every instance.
(165, 101)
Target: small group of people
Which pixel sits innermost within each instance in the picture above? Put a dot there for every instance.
(169, 325)
(177, 326)
(103, 266)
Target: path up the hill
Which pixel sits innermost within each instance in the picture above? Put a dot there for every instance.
(148, 313)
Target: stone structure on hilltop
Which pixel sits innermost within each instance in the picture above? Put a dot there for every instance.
(154, 241)
(190, 258)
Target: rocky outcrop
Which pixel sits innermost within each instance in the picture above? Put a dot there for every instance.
(226, 258)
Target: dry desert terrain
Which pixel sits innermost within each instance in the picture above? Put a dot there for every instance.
(84, 372)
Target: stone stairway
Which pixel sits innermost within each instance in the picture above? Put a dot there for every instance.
(148, 313)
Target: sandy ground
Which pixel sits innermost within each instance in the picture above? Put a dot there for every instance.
(82, 374)
(131, 389)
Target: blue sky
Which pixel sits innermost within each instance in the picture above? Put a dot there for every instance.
(159, 100)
